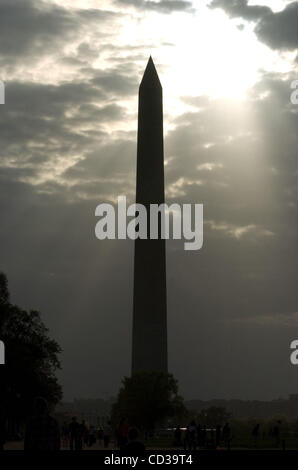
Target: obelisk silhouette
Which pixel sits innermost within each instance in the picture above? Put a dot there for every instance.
(149, 348)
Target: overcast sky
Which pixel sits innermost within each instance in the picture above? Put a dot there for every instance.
(68, 143)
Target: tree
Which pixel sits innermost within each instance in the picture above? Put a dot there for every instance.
(31, 358)
(147, 399)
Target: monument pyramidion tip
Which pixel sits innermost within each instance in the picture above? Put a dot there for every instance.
(150, 77)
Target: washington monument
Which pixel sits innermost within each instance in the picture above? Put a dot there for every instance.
(149, 348)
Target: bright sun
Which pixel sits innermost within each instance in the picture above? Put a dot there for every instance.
(204, 52)
(212, 56)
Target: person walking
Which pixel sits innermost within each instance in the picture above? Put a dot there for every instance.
(107, 432)
(76, 435)
(122, 432)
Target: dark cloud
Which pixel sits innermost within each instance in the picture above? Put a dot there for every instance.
(32, 28)
(277, 30)
(240, 8)
(119, 81)
(162, 6)
(45, 129)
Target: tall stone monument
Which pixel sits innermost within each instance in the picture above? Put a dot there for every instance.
(149, 348)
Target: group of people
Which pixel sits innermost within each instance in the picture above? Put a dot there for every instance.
(197, 436)
(274, 433)
(43, 433)
(77, 435)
